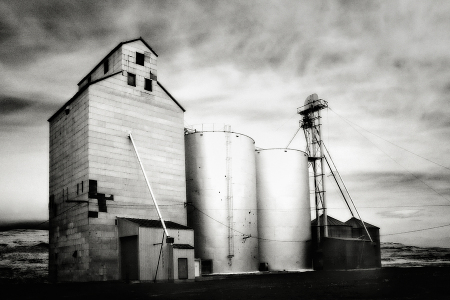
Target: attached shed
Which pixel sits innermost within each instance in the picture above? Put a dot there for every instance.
(146, 256)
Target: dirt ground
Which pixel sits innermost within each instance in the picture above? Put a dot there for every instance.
(385, 283)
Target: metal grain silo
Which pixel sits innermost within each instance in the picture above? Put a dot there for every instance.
(221, 186)
(284, 219)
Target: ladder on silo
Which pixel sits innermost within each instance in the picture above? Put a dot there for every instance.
(229, 187)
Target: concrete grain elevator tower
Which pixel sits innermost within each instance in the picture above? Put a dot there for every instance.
(103, 221)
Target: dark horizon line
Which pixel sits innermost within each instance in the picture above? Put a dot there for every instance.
(24, 224)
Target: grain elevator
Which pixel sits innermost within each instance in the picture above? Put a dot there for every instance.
(100, 209)
(136, 196)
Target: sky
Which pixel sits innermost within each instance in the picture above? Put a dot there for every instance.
(383, 67)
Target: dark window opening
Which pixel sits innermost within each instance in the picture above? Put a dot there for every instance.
(131, 79)
(52, 206)
(105, 66)
(78, 188)
(207, 266)
(140, 58)
(101, 203)
(82, 186)
(92, 214)
(148, 85)
(92, 188)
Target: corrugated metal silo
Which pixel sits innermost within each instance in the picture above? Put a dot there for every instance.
(221, 179)
(284, 217)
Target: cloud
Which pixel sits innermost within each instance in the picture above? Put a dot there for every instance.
(401, 214)
(19, 112)
(30, 30)
(10, 105)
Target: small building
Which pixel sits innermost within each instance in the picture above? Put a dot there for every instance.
(347, 246)
(142, 240)
(95, 177)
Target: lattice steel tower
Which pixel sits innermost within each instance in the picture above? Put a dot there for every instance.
(311, 123)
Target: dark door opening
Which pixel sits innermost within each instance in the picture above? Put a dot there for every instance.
(129, 258)
(182, 268)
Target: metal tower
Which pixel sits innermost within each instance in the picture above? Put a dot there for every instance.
(311, 123)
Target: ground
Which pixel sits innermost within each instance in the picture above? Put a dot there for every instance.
(23, 270)
(385, 283)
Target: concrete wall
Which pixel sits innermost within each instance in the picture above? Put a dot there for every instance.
(129, 59)
(91, 143)
(157, 125)
(68, 235)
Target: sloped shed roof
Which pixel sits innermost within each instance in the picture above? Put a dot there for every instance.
(182, 246)
(156, 223)
(331, 222)
(356, 223)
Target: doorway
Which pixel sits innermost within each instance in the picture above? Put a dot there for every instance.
(182, 268)
(129, 258)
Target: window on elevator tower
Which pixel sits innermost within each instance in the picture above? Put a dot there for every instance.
(148, 85)
(140, 58)
(131, 79)
(105, 66)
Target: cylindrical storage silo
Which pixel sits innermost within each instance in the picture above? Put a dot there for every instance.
(221, 188)
(284, 219)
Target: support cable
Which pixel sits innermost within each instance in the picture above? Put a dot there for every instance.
(412, 174)
(340, 189)
(433, 162)
(417, 230)
(293, 137)
(350, 197)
